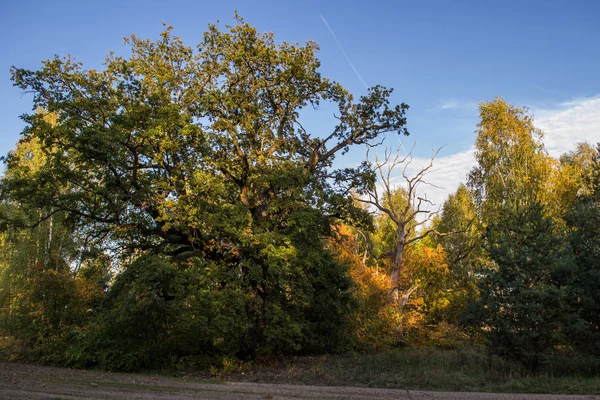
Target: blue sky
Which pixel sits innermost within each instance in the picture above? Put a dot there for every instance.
(442, 57)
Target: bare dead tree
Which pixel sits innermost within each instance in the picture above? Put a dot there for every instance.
(410, 219)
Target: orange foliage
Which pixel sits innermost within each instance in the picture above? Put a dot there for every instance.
(375, 322)
(428, 314)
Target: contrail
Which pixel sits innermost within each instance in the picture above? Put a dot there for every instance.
(343, 52)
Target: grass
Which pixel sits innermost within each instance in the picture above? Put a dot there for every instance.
(427, 368)
(462, 369)
(466, 368)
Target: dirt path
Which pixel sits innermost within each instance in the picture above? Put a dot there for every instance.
(23, 381)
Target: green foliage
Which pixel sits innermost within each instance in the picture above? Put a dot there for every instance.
(171, 137)
(42, 302)
(460, 235)
(538, 292)
(583, 281)
(158, 312)
(523, 307)
(135, 325)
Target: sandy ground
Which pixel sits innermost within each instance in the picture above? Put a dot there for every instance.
(24, 381)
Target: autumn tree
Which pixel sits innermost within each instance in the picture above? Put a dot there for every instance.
(459, 232)
(572, 179)
(511, 160)
(583, 166)
(373, 323)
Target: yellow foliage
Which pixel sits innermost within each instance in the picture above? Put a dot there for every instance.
(374, 321)
(377, 323)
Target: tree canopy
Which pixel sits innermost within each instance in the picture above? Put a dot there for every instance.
(156, 149)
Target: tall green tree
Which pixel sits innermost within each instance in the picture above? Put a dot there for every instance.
(523, 307)
(583, 221)
(198, 156)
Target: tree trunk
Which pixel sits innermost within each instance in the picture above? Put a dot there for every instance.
(396, 264)
(48, 244)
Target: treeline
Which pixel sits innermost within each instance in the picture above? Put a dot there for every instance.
(171, 209)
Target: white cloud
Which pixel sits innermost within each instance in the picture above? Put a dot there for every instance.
(441, 180)
(446, 175)
(454, 104)
(571, 122)
(450, 104)
(564, 126)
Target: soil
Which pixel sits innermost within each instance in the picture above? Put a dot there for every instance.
(25, 381)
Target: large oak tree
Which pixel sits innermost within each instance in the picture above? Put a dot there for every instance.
(198, 156)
